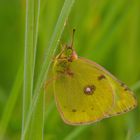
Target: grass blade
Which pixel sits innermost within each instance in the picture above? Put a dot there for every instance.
(136, 86)
(31, 35)
(36, 125)
(76, 132)
(51, 50)
(28, 60)
(11, 102)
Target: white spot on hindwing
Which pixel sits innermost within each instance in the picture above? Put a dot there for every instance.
(89, 90)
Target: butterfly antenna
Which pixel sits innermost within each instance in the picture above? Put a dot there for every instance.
(72, 39)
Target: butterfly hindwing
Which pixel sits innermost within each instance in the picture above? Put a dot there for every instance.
(85, 95)
(123, 97)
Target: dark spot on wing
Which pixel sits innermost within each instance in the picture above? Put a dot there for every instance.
(118, 113)
(59, 71)
(74, 110)
(122, 84)
(130, 108)
(134, 105)
(68, 72)
(83, 111)
(92, 108)
(101, 77)
(89, 89)
(125, 110)
(134, 97)
(109, 115)
(125, 87)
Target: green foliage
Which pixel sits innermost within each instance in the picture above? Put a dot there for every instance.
(107, 32)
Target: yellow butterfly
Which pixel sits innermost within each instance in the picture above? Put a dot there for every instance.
(85, 92)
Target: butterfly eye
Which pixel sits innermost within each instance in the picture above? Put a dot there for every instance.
(89, 90)
(69, 51)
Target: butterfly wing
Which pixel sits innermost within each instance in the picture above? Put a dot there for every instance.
(124, 97)
(85, 95)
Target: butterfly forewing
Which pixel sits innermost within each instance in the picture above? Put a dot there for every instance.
(85, 95)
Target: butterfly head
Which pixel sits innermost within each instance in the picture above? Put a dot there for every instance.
(65, 58)
(68, 52)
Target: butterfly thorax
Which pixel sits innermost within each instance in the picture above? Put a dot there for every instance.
(63, 61)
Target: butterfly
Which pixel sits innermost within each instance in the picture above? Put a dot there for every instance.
(85, 92)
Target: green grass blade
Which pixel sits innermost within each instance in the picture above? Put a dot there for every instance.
(51, 50)
(76, 132)
(50, 108)
(136, 86)
(137, 137)
(105, 26)
(105, 42)
(11, 102)
(28, 60)
(31, 35)
(36, 125)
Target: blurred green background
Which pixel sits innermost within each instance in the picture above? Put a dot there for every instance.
(107, 31)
